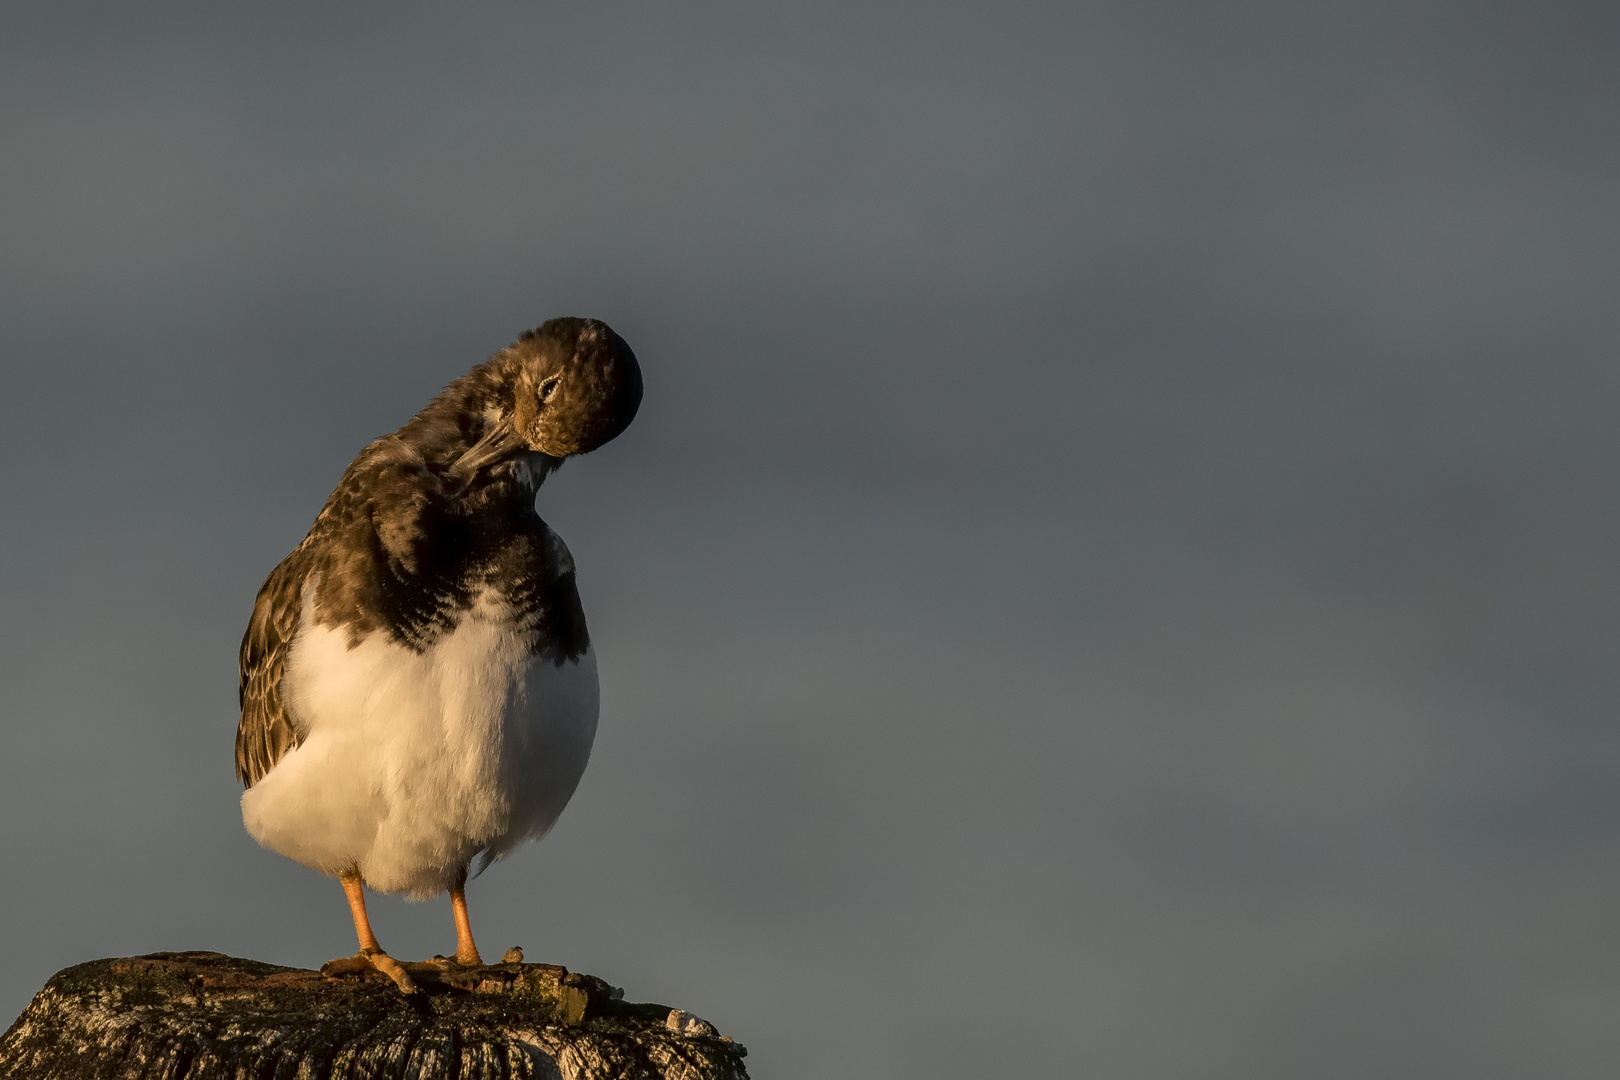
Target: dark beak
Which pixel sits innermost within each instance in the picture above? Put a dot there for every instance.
(499, 441)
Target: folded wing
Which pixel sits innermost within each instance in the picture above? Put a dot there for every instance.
(266, 731)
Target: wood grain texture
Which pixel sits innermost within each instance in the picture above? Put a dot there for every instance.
(207, 1016)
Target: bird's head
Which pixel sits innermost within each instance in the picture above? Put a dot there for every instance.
(564, 388)
(577, 386)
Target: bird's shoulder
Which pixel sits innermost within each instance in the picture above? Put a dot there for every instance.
(387, 490)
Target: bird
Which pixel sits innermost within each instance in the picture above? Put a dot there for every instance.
(418, 688)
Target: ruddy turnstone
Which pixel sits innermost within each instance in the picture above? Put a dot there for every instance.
(418, 688)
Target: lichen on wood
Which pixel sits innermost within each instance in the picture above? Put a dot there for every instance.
(207, 1016)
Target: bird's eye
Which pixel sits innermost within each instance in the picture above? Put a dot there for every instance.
(548, 388)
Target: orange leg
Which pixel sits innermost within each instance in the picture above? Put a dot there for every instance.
(371, 952)
(355, 890)
(466, 950)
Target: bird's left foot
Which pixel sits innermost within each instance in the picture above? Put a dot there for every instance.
(458, 960)
(514, 955)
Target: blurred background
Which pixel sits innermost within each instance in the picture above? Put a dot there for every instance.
(1114, 575)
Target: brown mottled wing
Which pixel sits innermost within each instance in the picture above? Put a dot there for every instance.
(267, 731)
(377, 509)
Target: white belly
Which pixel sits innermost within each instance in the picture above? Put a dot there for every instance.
(416, 762)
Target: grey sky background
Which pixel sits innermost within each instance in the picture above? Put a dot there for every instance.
(1114, 575)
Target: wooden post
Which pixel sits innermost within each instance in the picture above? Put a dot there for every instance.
(207, 1016)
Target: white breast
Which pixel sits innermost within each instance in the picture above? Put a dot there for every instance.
(415, 762)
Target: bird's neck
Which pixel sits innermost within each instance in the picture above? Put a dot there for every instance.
(505, 486)
(454, 421)
(449, 430)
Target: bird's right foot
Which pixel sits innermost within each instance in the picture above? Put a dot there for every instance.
(376, 960)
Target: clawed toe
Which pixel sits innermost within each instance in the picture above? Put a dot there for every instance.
(375, 960)
(456, 961)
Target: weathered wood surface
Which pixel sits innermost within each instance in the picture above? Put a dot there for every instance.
(207, 1016)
